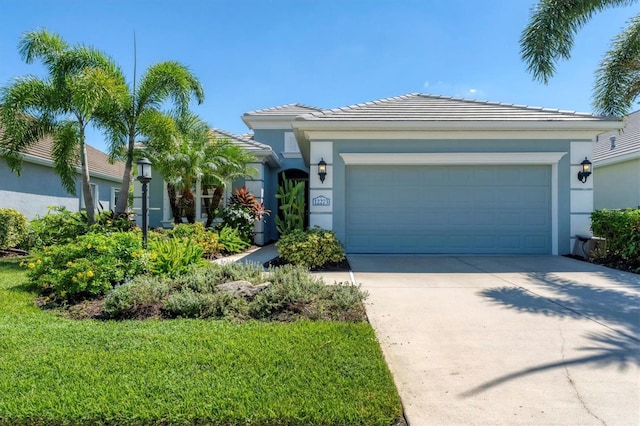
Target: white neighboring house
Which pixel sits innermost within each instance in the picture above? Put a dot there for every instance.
(616, 166)
(38, 187)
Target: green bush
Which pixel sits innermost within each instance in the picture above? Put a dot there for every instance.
(291, 196)
(199, 235)
(13, 228)
(313, 248)
(190, 304)
(231, 240)
(88, 267)
(240, 218)
(58, 226)
(173, 256)
(141, 298)
(621, 228)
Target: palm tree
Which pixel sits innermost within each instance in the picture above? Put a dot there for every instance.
(195, 154)
(549, 36)
(80, 82)
(138, 114)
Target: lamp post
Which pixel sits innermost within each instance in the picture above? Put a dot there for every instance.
(144, 177)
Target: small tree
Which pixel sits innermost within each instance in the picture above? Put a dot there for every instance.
(291, 196)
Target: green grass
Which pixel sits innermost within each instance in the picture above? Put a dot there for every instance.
(55, 370)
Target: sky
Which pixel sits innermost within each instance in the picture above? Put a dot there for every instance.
(253, 54)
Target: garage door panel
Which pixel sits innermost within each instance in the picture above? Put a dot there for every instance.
(448, 209)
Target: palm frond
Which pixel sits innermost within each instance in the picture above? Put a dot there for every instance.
(41, 44)
(618, 77)
(66, 146)
(549, 36)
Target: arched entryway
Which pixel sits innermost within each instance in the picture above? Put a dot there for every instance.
(296, 175)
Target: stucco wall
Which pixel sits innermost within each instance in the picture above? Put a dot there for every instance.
(617, 186)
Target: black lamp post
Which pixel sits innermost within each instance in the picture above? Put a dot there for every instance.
(144, 176)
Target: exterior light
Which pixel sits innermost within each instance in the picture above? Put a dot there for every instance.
(144, 176)
(586, 170)
(322, 169)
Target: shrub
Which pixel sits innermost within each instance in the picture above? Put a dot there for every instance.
(313, 248)
(247, 200)
(58, 226)
(173, 256)
(295, 293)
(199, 235)
(190, 304)
(141, 298)
(230, 239)
(238, 217)
(88, 267)
(13, 228)
(291, 196)
(621, 228)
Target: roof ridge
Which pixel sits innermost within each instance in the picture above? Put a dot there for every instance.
(506, 104)
(281, 107)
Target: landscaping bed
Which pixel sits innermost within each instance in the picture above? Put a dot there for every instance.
(55, 370)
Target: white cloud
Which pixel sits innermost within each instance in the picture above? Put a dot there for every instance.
(472, 91)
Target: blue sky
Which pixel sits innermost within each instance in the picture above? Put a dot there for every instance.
(252, 54)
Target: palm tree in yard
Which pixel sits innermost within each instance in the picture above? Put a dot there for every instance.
(138, 114)
(194, 154)
(549, 36)
(80, 81)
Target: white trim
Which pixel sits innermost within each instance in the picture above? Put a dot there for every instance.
(459, 158)
(512, 135)
(554, 208)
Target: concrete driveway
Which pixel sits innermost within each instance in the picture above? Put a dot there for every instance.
(507, 340)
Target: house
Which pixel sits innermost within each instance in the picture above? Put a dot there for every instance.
(39, 187)
(432, 174)
(616, 166)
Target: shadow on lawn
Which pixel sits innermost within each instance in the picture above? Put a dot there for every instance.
(614, 307)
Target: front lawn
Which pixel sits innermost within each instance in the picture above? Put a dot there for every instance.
(55, 370)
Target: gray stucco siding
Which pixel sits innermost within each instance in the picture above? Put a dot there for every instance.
(35, 179)
(452, 146)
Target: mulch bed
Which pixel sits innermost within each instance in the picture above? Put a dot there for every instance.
(342, 266)
(609, 262)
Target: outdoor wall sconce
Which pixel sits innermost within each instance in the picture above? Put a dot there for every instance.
(322, 169)
(586, 170)
(144, 177)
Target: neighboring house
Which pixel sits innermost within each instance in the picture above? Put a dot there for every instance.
(431, 174)
(616, 166)
(38, 187)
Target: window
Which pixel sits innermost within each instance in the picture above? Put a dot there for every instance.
(291, 148)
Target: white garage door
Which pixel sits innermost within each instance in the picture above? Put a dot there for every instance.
(449, 209)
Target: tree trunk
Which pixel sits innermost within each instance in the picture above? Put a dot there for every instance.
(173, 202)
(215, 202)
(86, 181)
(189, 204)
(123, 197)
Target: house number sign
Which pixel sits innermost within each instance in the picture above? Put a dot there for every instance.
(321, 200)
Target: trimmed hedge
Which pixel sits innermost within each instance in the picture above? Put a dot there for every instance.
(621, 228)
(13, 228)
(312, 248)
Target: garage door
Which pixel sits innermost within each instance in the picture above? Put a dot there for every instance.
(449, 209)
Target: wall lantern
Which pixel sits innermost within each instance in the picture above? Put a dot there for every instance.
(144, 176)
(586, 170)
(322, 169)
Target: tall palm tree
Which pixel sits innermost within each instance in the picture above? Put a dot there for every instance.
(549, 37)
(138, 114)
(80, 81)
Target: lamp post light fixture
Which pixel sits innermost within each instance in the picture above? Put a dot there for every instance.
(144, 177)
(322, 169)
(586, 170)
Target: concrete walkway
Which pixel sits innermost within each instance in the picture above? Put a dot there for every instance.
(507, 340)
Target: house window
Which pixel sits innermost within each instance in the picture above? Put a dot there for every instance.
(114, 197)
(291, 148)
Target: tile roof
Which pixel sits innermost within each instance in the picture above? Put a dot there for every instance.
(424, 107)
(286, 110)
(246, 141)
(98, 160)
(627, 141)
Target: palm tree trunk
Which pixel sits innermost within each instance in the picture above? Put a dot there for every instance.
(215, 202)
(173, 202)
(189, 204)
(123, 196)
(86, 182)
